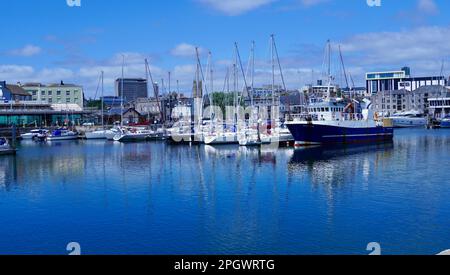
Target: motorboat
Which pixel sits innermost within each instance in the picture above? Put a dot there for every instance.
(445, 122)
(410, 119)
(5, 147)
(132, 134)
(62, 134)
(101, 134)
(34, 134)
(221, 138)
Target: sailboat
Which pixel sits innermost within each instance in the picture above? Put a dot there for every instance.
(101, 133)
(279, 133)
(229, 136)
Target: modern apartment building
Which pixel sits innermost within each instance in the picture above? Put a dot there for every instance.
(400, 80)
(133, 88)
(397, 101)
(55, 93)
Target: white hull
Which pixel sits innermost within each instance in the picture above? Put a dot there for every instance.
(71, 137)
(409, 122)
(28, 136)
(219, 139)
(99, 134)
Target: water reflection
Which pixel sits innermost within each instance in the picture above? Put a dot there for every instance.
(155, 198)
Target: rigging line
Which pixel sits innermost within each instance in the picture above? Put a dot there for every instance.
(201, 70)
(242, 71)
(98, 87)
(279, 64)
(155, 91)
(343, 66)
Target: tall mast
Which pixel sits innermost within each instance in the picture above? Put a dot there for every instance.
(102, 103)
(121, 84)
(252, 72)
(272, 37)
(343, 67)
(329, 71)
(242, 69)
(282, 77)
(170, 99)
(155, 91)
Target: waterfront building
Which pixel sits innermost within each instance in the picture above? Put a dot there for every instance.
(111, 101)
(13, 93)
(396, 101)
(31, 113)
(355, 92)
(177, 107)
(399, 80)
(133, 88)
(61, 93)
(149, 107)
(128, 116)
(293, 102)
(440, 106)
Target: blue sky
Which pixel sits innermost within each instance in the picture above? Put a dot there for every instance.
(48, 41)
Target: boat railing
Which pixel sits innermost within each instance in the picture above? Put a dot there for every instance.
(334, 116)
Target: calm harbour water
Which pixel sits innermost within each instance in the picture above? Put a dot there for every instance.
(155, 198)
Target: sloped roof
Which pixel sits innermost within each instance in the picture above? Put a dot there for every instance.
(118, 111)
(17, 90)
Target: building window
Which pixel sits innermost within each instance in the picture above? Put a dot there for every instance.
(67, 100)
(42, 92)
(58, 92)
(67, 93)
(50, 100)
(50, 93)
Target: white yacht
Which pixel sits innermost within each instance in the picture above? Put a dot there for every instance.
(101, 134)
(132, 134)
(409, 120)
(34, 134)
(62, 134)
(221, 138)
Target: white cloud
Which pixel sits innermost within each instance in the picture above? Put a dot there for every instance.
(26, 51)
(309, 3)
(423, 43)
(235, 7)
(428, 6)
(185, 50)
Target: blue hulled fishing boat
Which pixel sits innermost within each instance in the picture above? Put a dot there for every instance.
(337, 122)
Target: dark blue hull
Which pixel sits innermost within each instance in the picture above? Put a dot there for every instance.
(445, 124)
(310, 134)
